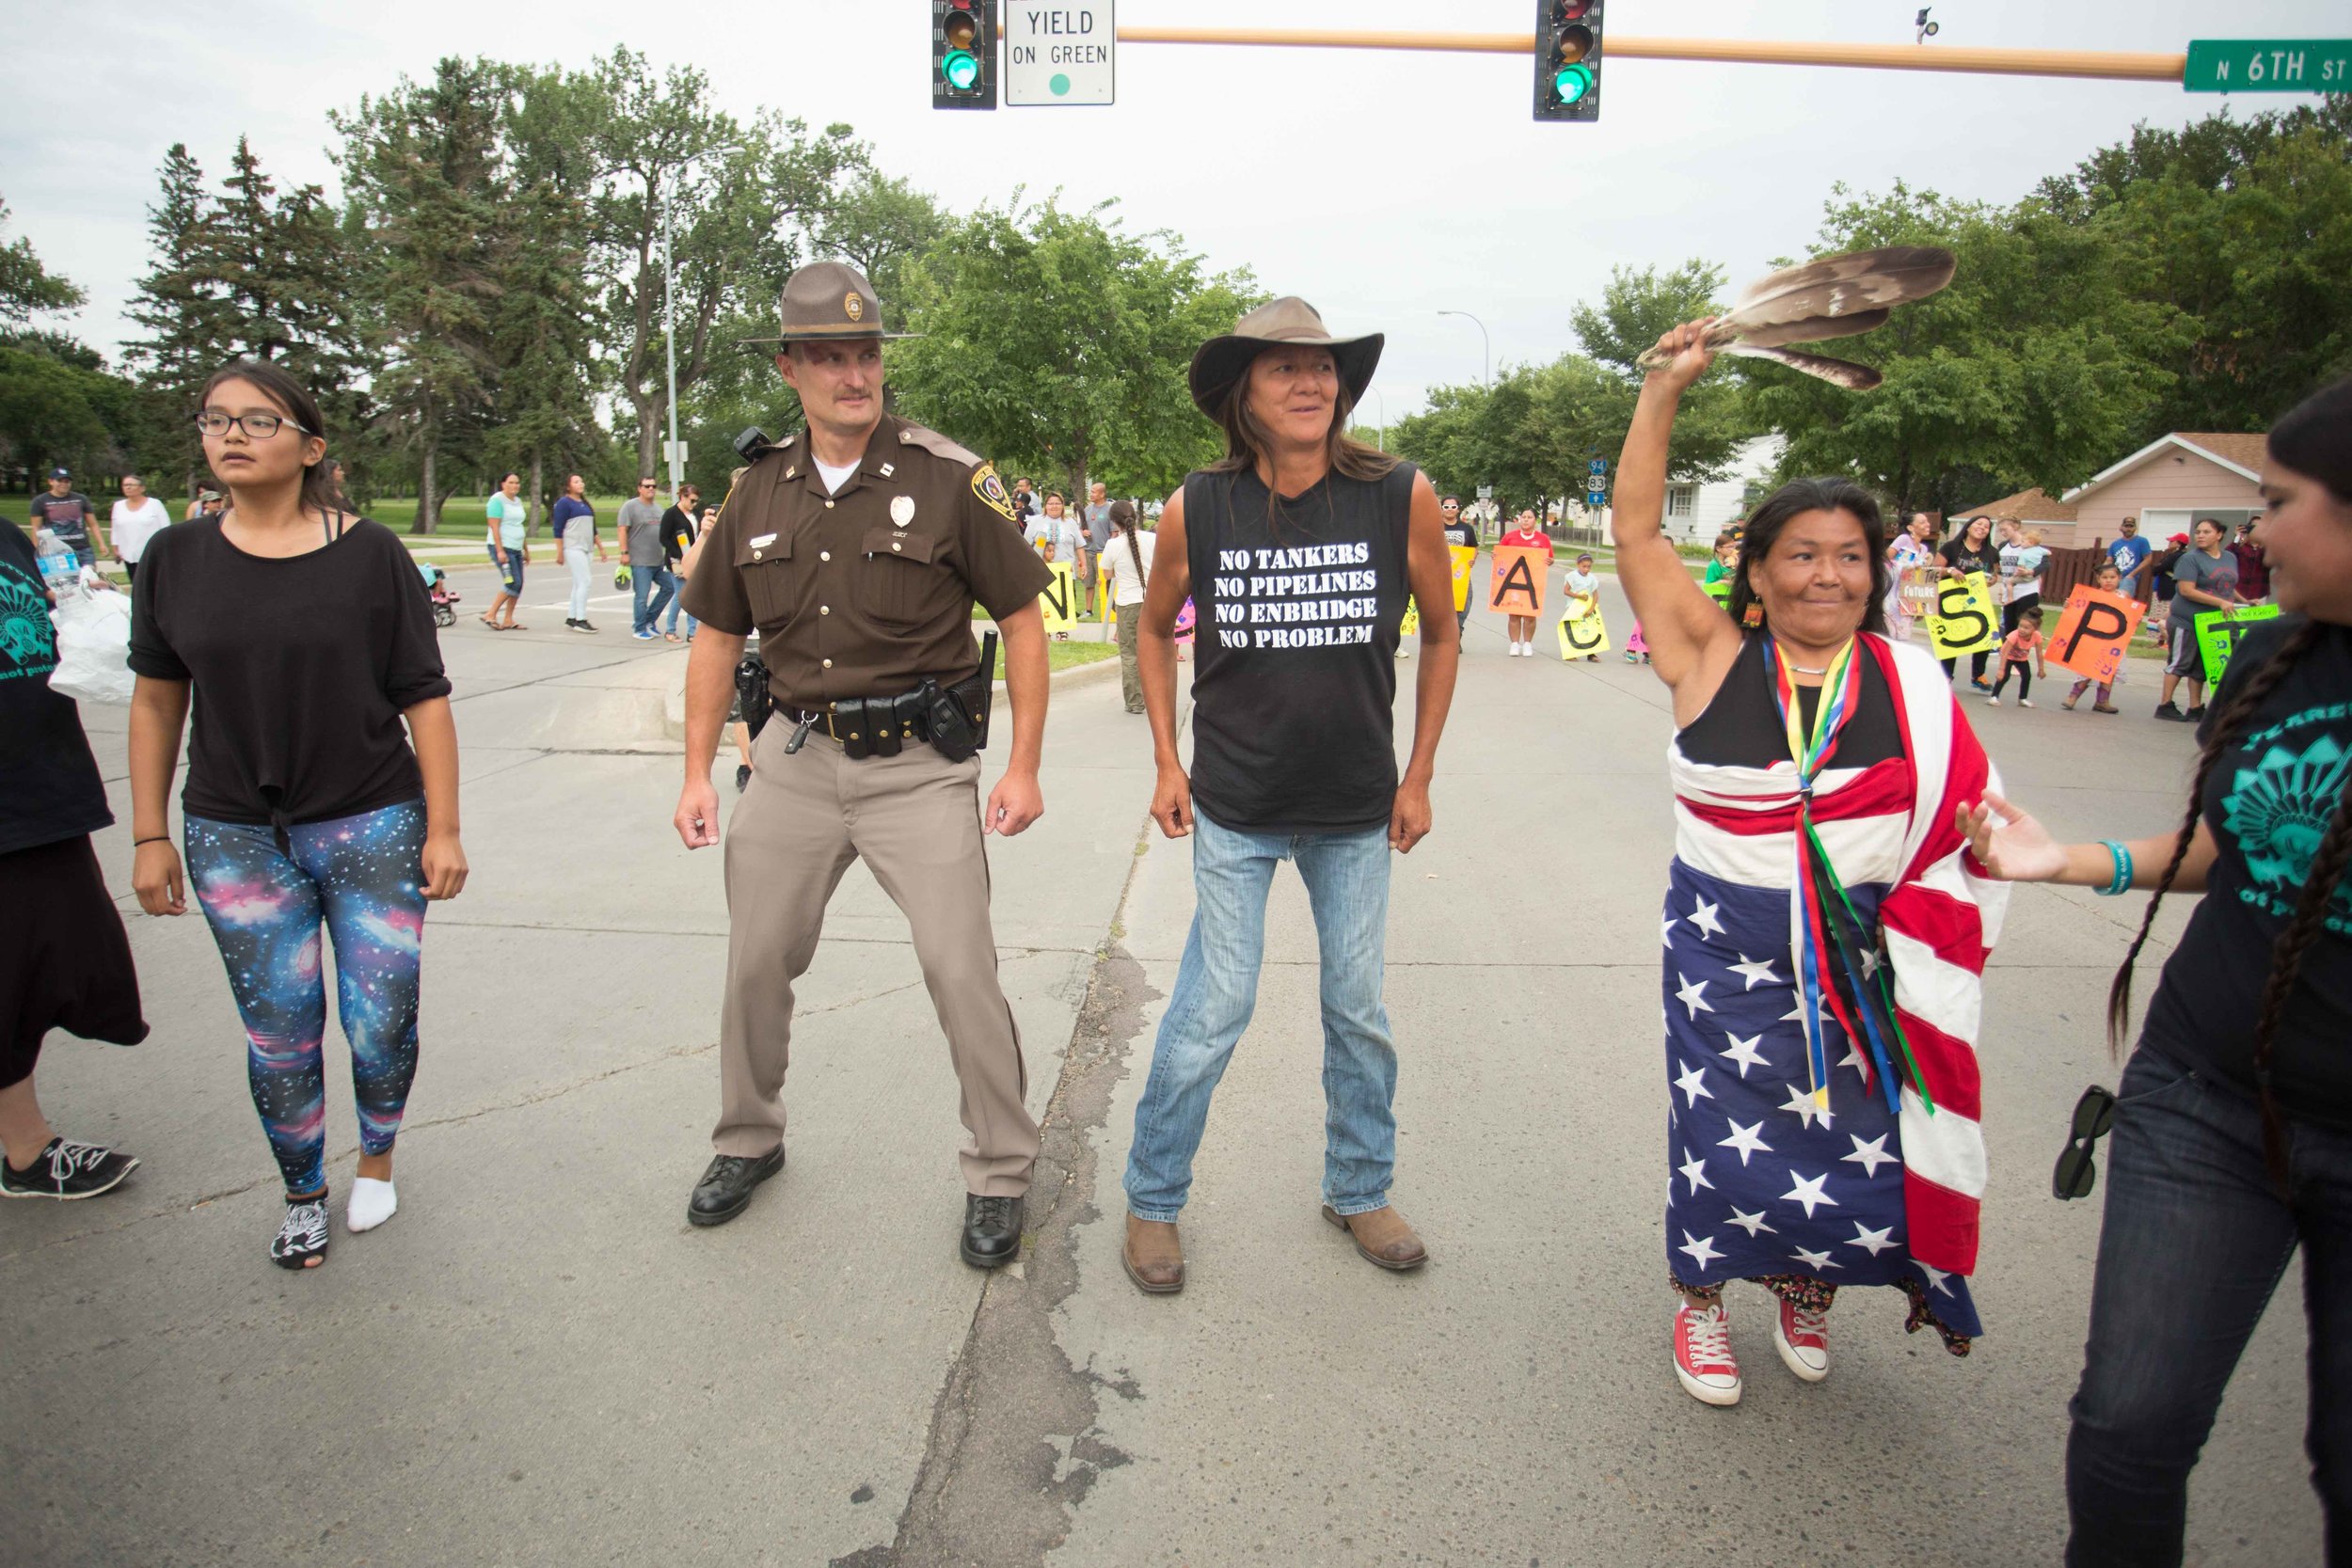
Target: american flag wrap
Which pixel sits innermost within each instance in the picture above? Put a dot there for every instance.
(1770, 1178)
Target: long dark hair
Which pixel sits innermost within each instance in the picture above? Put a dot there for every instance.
(2315, 439)
(295, 403)
(1246, 441)
(1123, 519)
(1782, 507)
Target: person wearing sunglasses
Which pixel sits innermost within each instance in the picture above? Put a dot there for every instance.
(2231, 1130)
(306, 637)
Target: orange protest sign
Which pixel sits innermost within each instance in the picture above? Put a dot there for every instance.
(2092, 633)
(1517, 585)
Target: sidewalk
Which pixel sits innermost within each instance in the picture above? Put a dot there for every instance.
(539, 1362)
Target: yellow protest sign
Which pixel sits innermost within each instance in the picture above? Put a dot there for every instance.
(1411, 625)
(1102, 597)
(1583, 636)
(1060, 602)
(1517, 588)
(1465, 561)
(1964, 619)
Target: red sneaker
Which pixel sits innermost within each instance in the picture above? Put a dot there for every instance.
(1802, 1337)
(1703, 1355)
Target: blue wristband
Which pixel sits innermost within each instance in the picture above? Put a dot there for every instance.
(2122, 882)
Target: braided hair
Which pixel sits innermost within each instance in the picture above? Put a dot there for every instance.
(2310, 440)
(1123, 519)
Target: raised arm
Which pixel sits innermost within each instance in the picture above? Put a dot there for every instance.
(1691, 640)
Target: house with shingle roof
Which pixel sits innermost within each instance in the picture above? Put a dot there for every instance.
(2169, 484)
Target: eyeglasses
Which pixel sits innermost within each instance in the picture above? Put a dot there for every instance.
(2075, 1175)
(261, 427)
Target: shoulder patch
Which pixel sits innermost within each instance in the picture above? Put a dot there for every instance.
(990, 489)
(937, 445)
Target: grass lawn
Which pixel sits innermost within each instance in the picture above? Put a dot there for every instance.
(1064, 655)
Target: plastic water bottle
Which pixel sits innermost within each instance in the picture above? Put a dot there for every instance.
(60, 569)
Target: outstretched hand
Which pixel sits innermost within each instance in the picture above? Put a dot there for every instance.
(2009, 843)
(1684, 353)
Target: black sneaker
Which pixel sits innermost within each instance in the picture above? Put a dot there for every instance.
(2194, 713)
(742, 778)
(66, 1170)
(729, 1181)
(583, 626)
(2171, 711)
(991, 1230)
(569, 623)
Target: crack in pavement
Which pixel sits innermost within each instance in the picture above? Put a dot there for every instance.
(1013, 1446)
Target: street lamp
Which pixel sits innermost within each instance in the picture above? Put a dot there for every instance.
(1384, 417)
(1483, 339)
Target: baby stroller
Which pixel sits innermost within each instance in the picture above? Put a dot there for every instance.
(444, 596)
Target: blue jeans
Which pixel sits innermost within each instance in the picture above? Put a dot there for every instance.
(654, 583)
(1216, 989)
(677, 604)
(2193, 1242)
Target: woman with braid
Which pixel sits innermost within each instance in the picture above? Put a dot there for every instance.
(2232, 1126)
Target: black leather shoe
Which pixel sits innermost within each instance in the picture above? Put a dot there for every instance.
(726, 1189)
(991, 1230)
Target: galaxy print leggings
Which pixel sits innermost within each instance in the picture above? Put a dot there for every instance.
(363, 877)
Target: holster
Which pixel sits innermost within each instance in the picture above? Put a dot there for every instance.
(750, 689)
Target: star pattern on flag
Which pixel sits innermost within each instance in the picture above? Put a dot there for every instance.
(1693, 995)
(1870, 1156)
(1701, 1248)
(1807, 1190)
(1826, 1198)
(1744, 1139)
(1744, 1052)
(1872, 1242)
(1800, 1103)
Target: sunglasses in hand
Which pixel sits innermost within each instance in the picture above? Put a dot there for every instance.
(2075, 1175)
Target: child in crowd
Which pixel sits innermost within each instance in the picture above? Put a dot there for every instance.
(2020, 646)
(2108, 580)
(1583, 591)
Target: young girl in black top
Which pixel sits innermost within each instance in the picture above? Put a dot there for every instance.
(308, 636)
(2232, 1127)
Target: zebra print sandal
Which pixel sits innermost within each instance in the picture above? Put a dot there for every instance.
(301, 1240)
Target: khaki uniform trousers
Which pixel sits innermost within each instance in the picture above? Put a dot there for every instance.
(914, 819)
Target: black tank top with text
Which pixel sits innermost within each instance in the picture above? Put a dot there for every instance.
(1298, 608)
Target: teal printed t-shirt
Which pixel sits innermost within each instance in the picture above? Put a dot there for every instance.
(49, 784)
(2267, 804)
(512, 517)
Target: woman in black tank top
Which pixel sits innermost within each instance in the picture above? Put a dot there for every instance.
(1300, 548)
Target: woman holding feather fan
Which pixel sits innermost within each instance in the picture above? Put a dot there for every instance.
(1823, 1089)
(2232, 1126)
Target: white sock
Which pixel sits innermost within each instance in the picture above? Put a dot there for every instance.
(372, 1202)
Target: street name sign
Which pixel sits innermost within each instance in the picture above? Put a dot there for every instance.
(2269, 65)
(1057, 54)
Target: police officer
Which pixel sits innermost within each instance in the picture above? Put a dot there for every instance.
(857, 548)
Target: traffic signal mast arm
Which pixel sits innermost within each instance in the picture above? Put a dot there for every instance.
(2095, 64)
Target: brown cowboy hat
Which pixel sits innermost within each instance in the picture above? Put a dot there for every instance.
(1220, 361)
(827, 301)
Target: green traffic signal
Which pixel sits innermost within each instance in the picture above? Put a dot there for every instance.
(1571, 83)
(960, 70)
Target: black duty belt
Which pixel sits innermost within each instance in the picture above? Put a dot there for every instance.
(953, 719)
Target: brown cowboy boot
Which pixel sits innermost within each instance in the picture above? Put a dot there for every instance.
(1383, 1237)
(1153, 1257)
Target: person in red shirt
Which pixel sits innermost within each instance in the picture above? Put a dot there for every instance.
(1526, 534)
(2253, 573)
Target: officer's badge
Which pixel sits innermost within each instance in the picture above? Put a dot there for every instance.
(990, 489)
(853, 306)
(902, 509)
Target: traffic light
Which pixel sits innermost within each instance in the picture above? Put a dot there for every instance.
(963, 54)
(1567, 60)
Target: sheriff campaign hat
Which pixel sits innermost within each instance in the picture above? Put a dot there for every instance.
(827, 301)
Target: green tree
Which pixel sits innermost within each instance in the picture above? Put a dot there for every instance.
(179, 302)
(26, 287)
(875, 224)
(737, 200)
(281, 266)
(423, 170)
(1084, 379)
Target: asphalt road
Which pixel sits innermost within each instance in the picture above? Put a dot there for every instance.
(539, 1362)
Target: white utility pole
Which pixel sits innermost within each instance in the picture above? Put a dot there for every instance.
(669, 338)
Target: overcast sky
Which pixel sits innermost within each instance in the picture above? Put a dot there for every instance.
(1383, 188)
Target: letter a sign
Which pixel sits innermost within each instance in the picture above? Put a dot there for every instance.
(1517, 585)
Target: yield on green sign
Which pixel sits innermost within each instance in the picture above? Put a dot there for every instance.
(1059, 54)
(2269, 65)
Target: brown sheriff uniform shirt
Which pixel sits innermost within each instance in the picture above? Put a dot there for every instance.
(869, 591)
